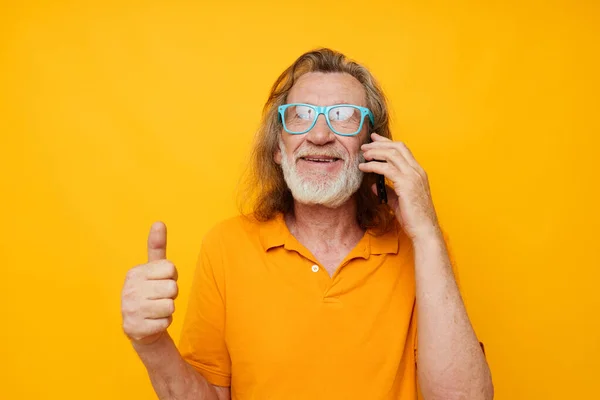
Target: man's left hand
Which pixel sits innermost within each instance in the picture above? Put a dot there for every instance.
(411, 197)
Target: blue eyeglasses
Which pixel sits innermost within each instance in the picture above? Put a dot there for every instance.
(342, 119)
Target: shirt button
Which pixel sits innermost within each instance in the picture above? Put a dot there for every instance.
(315, 268)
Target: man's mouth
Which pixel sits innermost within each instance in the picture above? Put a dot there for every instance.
(320, 159)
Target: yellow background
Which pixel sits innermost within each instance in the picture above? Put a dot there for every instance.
(116, 114)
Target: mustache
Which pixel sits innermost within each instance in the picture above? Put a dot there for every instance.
(318, 151)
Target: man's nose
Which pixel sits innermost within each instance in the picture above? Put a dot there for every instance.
(320, 134)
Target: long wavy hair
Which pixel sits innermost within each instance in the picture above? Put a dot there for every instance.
(264, 192)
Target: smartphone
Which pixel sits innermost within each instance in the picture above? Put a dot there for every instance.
(380, 183)
(381, 190)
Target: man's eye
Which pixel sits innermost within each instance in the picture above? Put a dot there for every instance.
(341, 113)
(304, 112)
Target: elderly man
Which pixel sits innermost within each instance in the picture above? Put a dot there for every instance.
(322, 290)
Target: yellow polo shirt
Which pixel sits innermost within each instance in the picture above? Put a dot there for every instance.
(266, 319)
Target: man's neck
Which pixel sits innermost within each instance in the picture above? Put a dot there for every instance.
(325, 228)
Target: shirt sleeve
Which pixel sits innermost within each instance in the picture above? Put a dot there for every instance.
(202, 343)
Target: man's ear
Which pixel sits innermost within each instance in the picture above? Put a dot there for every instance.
(277, 156)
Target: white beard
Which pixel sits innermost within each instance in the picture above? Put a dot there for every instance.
(320, 187)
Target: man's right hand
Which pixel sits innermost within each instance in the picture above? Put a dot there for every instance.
(147, 299)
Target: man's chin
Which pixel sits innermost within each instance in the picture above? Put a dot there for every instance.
(328, 203)
(316, 197)
(318, 177)
(328, 190)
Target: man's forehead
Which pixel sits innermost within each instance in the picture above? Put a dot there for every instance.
(321, 88)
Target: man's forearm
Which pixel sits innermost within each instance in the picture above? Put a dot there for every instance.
(171, 376)
(451, 364)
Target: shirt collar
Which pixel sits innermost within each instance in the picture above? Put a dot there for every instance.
(386, 243)
(275, 233)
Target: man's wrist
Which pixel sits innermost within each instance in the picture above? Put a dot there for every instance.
(153, 346)
(428, 237)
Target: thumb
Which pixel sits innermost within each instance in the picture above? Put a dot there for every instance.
(157, 242)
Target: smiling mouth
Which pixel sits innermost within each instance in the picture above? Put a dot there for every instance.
(320, 159)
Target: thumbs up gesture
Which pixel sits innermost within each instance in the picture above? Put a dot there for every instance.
(147, 299)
